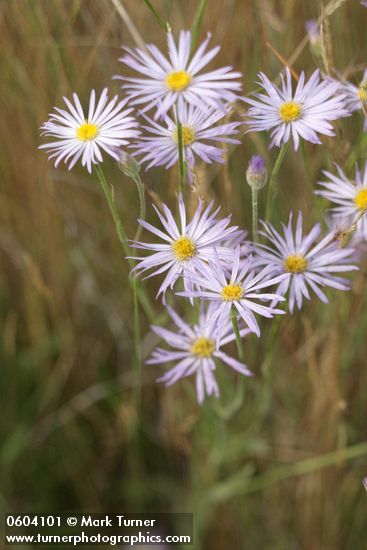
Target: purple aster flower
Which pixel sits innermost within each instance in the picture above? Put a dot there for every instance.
(301, 114)
(350, 196)
(198, 127)
(177, 79)
(82, 136)
(195, 352)
(237, 292)
(187, 247)
(304, 263)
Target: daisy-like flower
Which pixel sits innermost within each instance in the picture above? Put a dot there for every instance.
(235, 292)
(198, 127)
(195, 352)
(350, 196)
(106, 126)
(356, 96)
(177, 79)
(302, 114)
(187, 247)
(304, 263)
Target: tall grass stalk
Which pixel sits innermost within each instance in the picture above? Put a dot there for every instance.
(287, 471)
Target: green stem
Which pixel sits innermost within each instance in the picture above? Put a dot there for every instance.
(237, 334)
(137, 350)
(108, 192)
(181, 163)
(197, 22)
(159, 19)
(272, 182)
(254, 197)
(141, 191)
(114, 211)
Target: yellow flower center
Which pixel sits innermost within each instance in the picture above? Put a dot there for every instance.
(87, 131)
(178, 80)
(188, 135)
(203, 347)
(362, 92)
(232, 292)
(360, 199)
(290, 111)
(295, 263)
(183, 248)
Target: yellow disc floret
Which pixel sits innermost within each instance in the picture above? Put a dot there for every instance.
(86, 131)
(290, 111)
(230, 293)
(362, 91)
(178, 80)
(184, 248)
(295, 263)
(360, 200)
(203, 347)
(188, 135)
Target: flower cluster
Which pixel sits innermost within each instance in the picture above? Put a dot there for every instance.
(233, 283)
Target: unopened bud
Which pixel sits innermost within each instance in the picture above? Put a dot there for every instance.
(256, 174)
(314, 36)
(127, 164)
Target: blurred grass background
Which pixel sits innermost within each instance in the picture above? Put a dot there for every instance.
(273, 466)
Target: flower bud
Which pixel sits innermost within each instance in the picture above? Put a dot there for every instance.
(314, 36)
(127, 164)
(256, 173)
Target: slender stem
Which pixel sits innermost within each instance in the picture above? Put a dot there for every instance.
(254, 196)
(197, 22)
(272, 182)
(237, 334)
(159, 19)
(143, 296)
(181, 163)
(137, 349)
(141, 191)
(114, 211)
